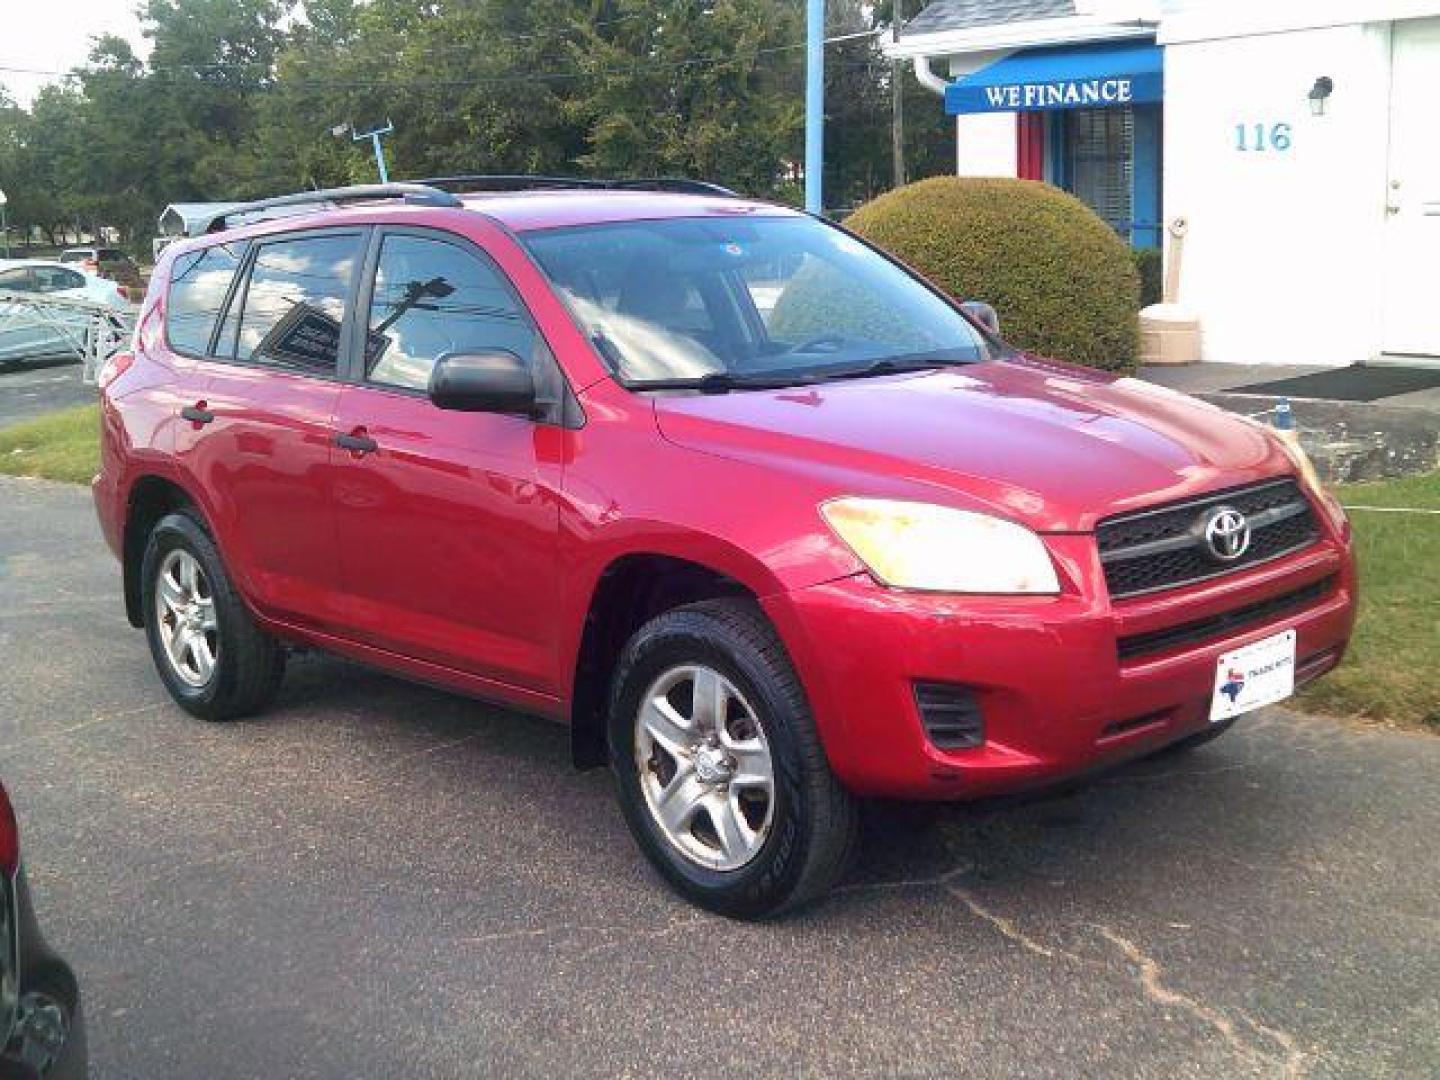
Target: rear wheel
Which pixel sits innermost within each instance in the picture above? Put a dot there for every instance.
(216, 663)
(721, 775)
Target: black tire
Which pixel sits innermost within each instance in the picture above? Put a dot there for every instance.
(814, 824)
(1194, 742)
(249, 663)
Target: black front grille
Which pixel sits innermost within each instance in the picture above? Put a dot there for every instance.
(1165, 547)
(951, 715)
(1227, 622)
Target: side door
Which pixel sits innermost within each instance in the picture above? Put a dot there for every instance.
(258, 436)
(1412, 227)
(447, 521)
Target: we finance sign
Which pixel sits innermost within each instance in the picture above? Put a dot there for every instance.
(988, 91)
(1092, 93)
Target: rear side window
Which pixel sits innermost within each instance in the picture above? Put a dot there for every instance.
(199, 283)
(295, 302)
(433, 298)
(17, 280)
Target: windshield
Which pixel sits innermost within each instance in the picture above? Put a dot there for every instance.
(761, 301)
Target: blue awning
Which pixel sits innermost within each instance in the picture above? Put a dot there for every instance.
(1038, 80)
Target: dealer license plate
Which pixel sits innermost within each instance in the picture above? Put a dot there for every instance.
(1259, 674)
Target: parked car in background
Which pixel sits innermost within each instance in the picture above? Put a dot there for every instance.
(42, 1032)
(55, 335)
(773, 523)
(110, 263)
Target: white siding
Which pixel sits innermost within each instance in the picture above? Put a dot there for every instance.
(985, 145)
(1283, 258)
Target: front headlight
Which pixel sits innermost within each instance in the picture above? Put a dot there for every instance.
(1311, 479)
(910, 545)
(1301, 460)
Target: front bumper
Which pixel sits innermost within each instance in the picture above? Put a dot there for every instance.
(1056, 696)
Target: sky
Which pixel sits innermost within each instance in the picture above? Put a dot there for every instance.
(55, 35)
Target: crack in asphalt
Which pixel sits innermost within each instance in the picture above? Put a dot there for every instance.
(1006, 928)
(1151, 978)
(1289, 1061)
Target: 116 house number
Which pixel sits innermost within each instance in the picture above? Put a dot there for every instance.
(1262, 137)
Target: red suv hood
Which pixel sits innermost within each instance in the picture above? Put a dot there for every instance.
(1053, 446)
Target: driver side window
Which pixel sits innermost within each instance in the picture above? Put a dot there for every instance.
(431, 298)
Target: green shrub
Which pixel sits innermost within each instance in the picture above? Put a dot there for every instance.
(1150, 265)
(1062, 281)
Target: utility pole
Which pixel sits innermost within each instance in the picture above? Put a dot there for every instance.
(374, 136)
(897, 103)
(4, 227)
(814, 105)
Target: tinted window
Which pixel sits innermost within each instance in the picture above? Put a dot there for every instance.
(17, 280)
(433, 298)
(295, 302)
(198, 284)
(76, 255)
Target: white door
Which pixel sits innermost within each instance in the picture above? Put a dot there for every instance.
(1412, 227)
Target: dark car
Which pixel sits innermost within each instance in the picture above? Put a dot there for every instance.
(41, 1031)
(109, 263)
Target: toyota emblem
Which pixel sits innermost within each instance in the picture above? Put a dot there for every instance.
(1226, 533)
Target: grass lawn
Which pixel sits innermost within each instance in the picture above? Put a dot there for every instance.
(1392, 674)
(62, 446)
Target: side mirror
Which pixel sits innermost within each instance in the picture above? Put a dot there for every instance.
(496, 381)
(983, 314)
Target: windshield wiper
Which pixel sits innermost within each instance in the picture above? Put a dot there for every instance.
(721, 382)
(884, 367)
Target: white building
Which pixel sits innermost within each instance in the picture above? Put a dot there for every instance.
(1297, 138)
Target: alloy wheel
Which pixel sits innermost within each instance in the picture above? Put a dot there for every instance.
(705, 767)
(185, 610)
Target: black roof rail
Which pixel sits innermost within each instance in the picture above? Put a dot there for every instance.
(678, 184)
(508, 182)
(522, 182)
(415, 194)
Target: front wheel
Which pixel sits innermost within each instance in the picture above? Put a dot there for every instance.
(216, 663)
(721, 774)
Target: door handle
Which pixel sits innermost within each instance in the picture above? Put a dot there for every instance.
(197, 413)
(357, 442)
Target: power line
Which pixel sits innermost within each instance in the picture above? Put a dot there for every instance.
(448, 83)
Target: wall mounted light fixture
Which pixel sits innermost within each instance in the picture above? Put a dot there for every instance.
(1320, 93)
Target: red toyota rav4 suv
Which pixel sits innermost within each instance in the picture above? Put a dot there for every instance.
(769, 521)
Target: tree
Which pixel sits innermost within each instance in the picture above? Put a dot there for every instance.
(240, 98)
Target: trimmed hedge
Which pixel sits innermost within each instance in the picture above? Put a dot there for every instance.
(1062, 281)
(1151, 266)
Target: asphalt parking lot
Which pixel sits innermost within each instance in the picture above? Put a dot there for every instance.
(382, 880)
(32, 389)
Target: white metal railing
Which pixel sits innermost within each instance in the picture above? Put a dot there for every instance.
(93, 331)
